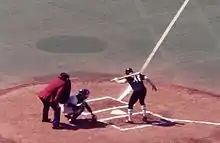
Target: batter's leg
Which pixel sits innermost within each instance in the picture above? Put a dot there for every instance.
(133, 99)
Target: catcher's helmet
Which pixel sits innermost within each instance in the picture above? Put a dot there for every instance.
(128, 71)
(84, 92)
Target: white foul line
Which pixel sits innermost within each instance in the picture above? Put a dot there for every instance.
(127, 91)
(186, 121)
(141, 126)
(156, 115)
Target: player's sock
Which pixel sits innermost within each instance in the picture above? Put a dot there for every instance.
(130, 111)
(143, 108)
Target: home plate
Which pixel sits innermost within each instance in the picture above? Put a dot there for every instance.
(118, 112)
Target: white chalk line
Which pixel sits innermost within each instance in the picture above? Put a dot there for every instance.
(106, 109)
(100, 98)
(124, 102)
(116, 127)
(116, 117)
(157, 46)
(122, 116)
(156, 115)
(141, 126)
(131, 128)
(106, 97)
(172, 120)
(137, 127)
(186, 121)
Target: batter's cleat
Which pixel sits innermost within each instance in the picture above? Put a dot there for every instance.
(46, 120)
(71, 121)
(144, 119)
(129, 121)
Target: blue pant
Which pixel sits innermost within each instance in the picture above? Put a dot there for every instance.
(77, 111)
(56, 109)
(137, 95)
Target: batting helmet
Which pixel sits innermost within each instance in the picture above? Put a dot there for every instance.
(128, 71)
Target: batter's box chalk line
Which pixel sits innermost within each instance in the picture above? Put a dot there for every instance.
(106, 109)
(106, 97)
(172, 120)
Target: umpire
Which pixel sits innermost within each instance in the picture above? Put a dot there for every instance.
(57, 91)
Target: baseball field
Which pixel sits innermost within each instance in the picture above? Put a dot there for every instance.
(174, 42)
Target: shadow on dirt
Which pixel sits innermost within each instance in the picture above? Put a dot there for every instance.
(165, 123)
(157, 122)
(84, 124)
(161, 123)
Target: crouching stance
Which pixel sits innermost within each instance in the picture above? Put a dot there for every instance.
(76, 104)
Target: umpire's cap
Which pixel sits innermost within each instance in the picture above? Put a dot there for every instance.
(64, 76)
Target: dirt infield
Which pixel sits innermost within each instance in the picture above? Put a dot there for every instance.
(94, 41)
(194, 116)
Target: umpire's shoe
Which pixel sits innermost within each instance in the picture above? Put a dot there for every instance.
(46, 120)
(57, 127)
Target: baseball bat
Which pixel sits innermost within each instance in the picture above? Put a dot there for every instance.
(122, 77)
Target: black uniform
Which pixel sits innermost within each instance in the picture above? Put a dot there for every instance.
(139, 90)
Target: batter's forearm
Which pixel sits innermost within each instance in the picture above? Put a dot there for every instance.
(149, 81)
(121, 81)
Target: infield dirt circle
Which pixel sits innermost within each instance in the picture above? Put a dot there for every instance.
(94, 41)
(20, 112)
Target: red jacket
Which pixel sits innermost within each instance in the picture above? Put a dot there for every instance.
(54, 90)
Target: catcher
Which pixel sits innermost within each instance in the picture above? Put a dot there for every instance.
(75, 105)
(139, 92)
